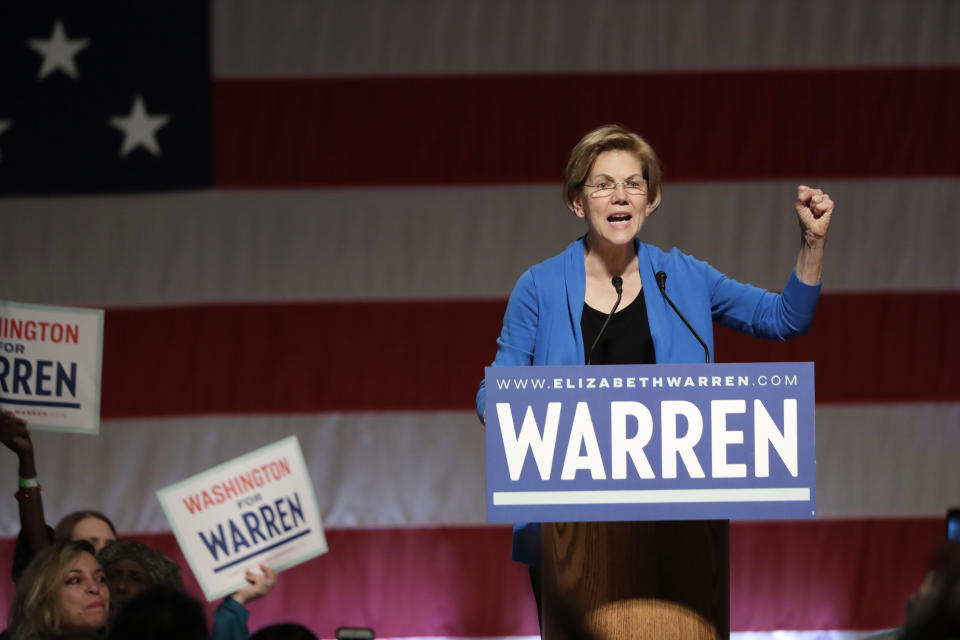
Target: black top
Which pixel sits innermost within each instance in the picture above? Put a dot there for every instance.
(626, 340)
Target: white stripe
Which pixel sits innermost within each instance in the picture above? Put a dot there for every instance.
(887, 459)
(649, 496)
(470, 242)
(399, 469)
(375, 37)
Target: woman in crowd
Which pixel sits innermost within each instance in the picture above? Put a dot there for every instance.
(62, 594)
(89, 525)
(557, 311)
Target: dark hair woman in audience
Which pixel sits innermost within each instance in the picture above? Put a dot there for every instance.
(62, 594)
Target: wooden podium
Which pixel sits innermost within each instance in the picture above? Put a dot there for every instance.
(637, 579)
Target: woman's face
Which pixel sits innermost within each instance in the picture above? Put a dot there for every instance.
(618, 217)
(83, 599)
(127, 579)
(95, 531)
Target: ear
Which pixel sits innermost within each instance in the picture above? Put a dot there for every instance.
(578, 206)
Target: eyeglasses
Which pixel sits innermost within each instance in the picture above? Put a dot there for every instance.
(605, 188)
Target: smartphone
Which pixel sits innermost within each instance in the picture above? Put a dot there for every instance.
(354, 633)
(953, 524)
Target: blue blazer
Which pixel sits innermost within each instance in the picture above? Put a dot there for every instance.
(542, 322)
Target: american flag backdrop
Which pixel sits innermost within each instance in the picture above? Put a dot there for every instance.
(304, 217)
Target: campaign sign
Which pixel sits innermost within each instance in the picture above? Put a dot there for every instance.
(256, 509)
(50, 365)
(650, 442)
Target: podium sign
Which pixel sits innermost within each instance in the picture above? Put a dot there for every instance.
(650, 442)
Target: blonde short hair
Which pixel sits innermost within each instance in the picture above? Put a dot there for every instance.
(611, 137)
(34, 612)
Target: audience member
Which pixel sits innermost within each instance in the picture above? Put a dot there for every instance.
(132, 567)
(62, 594)
(92, 526)
(35, 535)
(230, 618)
(164, 610)
(161, 613)
(933, 613)
(286, 631)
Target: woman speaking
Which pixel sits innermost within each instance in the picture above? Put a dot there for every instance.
(560, 307)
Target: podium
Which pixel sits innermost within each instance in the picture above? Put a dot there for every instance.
(637, 579)
(635, 472)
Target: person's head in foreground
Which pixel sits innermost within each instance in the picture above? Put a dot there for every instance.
(161, 613)
(284, 631)
(933, 612)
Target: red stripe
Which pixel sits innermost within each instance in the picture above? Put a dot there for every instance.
(459, 581)
(388, 356)
(870, 347)
(519, 129)
(843, 574)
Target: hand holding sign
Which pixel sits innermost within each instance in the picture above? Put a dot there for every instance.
(260, 584)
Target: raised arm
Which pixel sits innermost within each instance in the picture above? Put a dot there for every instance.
(230, 618)
(814, 211)
(16, 437)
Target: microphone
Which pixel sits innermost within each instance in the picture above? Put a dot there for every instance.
(617, 283)
(662, 283)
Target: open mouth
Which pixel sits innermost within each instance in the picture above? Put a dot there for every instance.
(619, 218)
